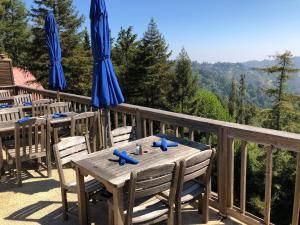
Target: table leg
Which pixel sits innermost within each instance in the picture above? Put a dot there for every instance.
(118, 206)
(83, 220)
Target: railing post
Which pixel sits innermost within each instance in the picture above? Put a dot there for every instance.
(222, 169)
(243, 177)
(138, 124)
(268, 184)
(230, 181)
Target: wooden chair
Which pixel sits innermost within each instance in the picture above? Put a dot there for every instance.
(20, 99)
(59, 107)
(40, 107)
(10, 114)
(4, 93)
(190, 187)
(143, 207)
(122, 136)
(69, 149)
(85, 124)
(30, 143)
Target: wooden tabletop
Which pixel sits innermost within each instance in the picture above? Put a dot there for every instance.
(9, 126)
(104, 165)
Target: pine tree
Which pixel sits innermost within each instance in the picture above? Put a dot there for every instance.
(75, 60)
(86, 40)
(123, 56)
(232, 102)
(14, 31)
(184, 85)
(153, 67)
(242, 100)
(282, 111)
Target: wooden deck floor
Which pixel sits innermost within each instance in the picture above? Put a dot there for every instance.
(39, 202)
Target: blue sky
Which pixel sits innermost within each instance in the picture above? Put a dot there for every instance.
(211, 30)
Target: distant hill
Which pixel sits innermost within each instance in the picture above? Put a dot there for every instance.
(216, 77)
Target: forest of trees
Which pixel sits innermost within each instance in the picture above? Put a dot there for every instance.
(149, 77)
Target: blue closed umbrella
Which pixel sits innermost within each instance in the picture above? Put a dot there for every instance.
(57, 80)
(106, 91)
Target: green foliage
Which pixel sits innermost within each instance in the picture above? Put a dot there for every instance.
(184, 86)
(233, 99)
(76, 59)
(241, 100)
(208, 105)
(123, 56)
(153, 67)
(282, 104)
(14, 31)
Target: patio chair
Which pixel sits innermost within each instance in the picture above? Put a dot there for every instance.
(85, 124)
(122, 136)
(4, 93)
(65, 151)
(142, 206)
(59, 107)
(21, 99)
(29, 143)
(190, 187)
(40, 107)
(10, 114)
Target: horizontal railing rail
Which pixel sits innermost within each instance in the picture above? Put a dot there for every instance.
(149, 121)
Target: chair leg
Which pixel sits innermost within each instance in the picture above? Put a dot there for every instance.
(64, 203)
(19, 171)
(205, 208)
(178, 215)
(38, 163)
(170, 220)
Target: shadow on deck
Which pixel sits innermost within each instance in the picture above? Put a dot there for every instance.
(39, 202)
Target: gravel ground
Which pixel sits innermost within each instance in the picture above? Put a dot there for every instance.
(38, 201)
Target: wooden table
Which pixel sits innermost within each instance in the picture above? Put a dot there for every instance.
(8, 128)
(104, 167)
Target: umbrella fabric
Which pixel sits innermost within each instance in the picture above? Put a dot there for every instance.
(57, 80)
(106, 90)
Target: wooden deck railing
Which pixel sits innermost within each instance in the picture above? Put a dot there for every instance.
(149, 121)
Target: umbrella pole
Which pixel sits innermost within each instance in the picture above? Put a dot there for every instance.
(57, 95)
(107, 128)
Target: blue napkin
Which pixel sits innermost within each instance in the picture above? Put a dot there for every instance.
(4, 106)
(163, 144)
(23, 120)
(122, 161)
(126, 157)
(27, 104)
(59, 115)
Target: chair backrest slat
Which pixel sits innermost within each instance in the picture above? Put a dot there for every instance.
(150, 182)
(69, 149)
(59, 107)
(40, 107)
(20, 99)
(10, 114)
(81, 124)
(123, 135)
(27, 137)
(197, 165)
(4, 93)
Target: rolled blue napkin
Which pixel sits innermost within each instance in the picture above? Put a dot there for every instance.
(59, 115)
(4, 106)
(163, 144)
(122, 161)
(27, 104)
(126, 157)
(23, 120)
